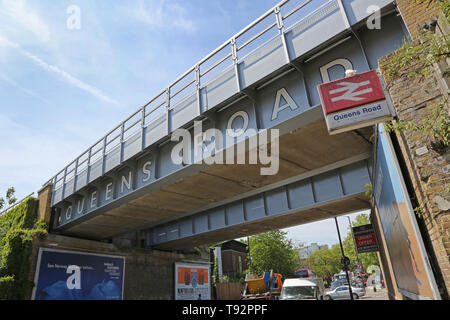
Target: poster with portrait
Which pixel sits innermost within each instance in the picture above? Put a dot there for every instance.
(192, 281)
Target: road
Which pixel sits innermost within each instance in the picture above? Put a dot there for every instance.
(380, 294)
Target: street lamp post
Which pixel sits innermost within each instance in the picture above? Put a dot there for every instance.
(249, 255)
(343, 259)
(353, 236)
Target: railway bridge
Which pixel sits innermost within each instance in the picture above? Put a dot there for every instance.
(238, 144)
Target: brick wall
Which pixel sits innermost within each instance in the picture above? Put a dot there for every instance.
(427, 162)
(416, 12)
(149, 274)
(44, 209)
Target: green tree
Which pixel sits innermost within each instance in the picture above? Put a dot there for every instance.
(10, 199)
(326, 261)
(273, 251)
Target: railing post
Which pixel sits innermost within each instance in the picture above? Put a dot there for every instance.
(55, 179)
(167, 109)
(104, 156)
(75, 171)
(122, 132)
(88, 172)
(143, 128)
(280, 26)
(197, 88)
(64, 183)
(235, 62)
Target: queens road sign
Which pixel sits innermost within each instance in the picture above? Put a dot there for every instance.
(354, 102)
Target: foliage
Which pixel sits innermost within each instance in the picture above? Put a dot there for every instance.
(417, 59)
(445, 8)
(368, 191)
(273, 251)
(234, 277)
(6, 287)
(327, 261)
(436, 125)
(419, 212)
(10, 199)
(215, 275)
(17, 229)
(366, 259)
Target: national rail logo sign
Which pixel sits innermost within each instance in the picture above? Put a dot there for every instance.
(354, 102)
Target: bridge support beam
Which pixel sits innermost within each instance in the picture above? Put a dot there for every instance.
(322, 196)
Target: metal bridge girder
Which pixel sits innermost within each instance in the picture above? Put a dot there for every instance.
(292, 198)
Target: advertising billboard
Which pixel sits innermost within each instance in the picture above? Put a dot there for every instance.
(365, 238)
(354, 102)
(69, 275)
(411, 268)
(192, 281)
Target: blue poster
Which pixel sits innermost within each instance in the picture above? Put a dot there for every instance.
(65, 275)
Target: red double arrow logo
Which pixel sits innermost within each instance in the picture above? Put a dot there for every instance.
(351, 92)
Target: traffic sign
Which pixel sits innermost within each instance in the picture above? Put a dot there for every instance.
(345, 263)
(354, 102)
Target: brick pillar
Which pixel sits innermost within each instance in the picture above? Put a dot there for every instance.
(45, 197)
(416, 13)
(426, 161)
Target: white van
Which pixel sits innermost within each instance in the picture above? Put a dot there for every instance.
(302, 289)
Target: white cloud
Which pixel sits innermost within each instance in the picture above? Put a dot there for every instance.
(66, 76)
(160, 15)
(19, 12)
(25, 90)
(323, 231)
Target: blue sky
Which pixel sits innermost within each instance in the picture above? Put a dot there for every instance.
(61, 89)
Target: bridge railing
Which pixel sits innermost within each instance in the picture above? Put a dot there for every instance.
(266, 29)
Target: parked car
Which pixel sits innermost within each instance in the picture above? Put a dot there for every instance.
(342, 293)
(338, 283)
(302, 289)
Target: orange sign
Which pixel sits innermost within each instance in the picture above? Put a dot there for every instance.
(186, 276)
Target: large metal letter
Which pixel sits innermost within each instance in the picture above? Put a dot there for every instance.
(342, 62)
(290, 103)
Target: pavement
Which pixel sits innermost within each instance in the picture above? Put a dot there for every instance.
(380, 294)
